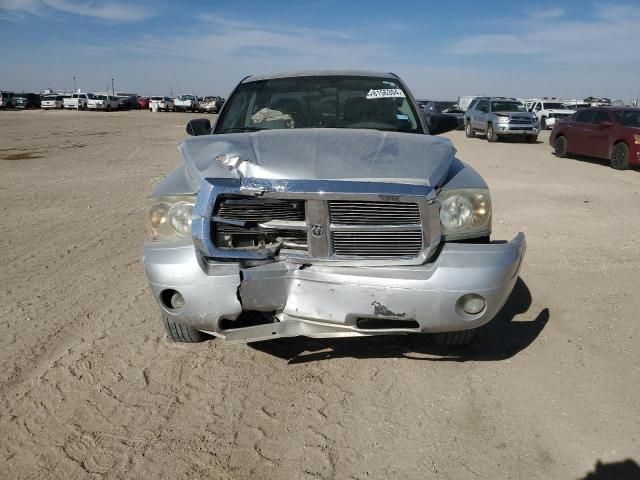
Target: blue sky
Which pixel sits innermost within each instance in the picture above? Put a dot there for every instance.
(441, 49)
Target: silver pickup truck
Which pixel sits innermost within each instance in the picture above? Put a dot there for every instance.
(321, 205)
(496, 117)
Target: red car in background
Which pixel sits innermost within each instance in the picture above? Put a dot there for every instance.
(143, 102)
(612, 133)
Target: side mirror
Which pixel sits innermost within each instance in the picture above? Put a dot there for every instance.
(438, 124)
(605, 124)
(199, 126)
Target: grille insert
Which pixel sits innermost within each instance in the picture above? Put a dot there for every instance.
(261, 209)
(369, 244)
(247, 218)
(374, 213)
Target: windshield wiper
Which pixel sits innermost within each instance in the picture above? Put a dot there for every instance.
(242, 129)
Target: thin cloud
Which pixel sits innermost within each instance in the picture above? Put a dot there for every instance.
(547, 13)
(608, 39)
(110, 11)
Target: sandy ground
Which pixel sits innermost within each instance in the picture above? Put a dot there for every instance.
(91, 388)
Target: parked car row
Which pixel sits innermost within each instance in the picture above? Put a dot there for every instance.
(184, 103)
(107, 102)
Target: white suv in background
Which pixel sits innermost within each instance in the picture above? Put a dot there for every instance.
(548, 111)
(103, 102)
(162, 103)
(52, 101)
(78, 101)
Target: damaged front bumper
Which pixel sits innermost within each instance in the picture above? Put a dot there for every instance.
(323, 301)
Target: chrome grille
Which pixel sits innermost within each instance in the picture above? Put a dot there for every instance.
(373, 213)
(369, 244)
(369, 229)
(260, 209)
(247, 222)
(520, 121)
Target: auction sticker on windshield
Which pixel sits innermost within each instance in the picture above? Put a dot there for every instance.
(385, 93)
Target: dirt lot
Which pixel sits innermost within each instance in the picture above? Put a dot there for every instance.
(91, 388)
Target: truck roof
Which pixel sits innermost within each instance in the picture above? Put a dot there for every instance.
(320, 73)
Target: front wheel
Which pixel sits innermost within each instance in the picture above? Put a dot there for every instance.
(182, 333)
(543, 123)
(560, 146)
(468, 131)
(531, 138)
(620, 156)
(492, 136)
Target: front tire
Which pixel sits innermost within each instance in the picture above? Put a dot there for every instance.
(620, 156)
(468, 131)
(560, 146)
(531, 138)
(492, 136)
(178, 332)
(543, 123)
(455, 339)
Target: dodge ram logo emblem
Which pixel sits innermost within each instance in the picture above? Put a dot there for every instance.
(316, 230)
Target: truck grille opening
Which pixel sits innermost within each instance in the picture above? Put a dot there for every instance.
(406, 243)
(247, 222)
(373, 213)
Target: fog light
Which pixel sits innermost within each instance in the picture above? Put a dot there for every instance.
(177, 300)
(472, 303)
(172, 299)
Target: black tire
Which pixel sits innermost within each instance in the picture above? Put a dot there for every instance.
(108, 108)
(468, 131)
(492, 136)
(560, 146)
(455, 339)
(543, 123)
(620, 156)
(182, 333)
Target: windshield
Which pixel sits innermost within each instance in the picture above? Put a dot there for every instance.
(157, 99)
(442, 106)
(187, 97)
(101, 97)
(555, 106)
(319, 102)
(51, 98)
(629, 118)
(507, 106)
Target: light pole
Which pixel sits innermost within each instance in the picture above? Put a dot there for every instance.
(113, 90)
(75, 88)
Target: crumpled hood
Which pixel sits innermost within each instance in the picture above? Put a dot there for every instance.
(320, 154)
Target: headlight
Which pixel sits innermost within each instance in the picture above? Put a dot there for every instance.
(636, 139)
(503, 119)
(169, 218)
(465, 213)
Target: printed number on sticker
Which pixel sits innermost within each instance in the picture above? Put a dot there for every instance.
(386, 93)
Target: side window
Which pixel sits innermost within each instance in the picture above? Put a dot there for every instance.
(538, 107)
(584, 116)
(483, 106)
(601, 116)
